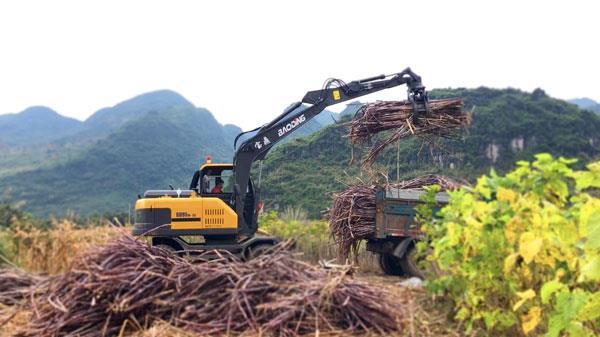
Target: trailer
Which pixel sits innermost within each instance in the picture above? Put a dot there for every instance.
(397, 232)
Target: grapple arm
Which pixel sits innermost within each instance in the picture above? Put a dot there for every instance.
(333, 92)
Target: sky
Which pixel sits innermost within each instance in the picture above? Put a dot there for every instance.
(247, 60)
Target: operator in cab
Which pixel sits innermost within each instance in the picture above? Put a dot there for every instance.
(218, 186)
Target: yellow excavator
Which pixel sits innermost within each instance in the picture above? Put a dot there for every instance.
(220, 209)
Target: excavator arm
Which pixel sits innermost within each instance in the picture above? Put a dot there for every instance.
(334, 91)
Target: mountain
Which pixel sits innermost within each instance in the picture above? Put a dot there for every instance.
(150, 141)
(325, 118)
(508, 125)
(583, 102)
(586, 103)
(41, 125)
(109, 119)
(33, 126)
(153, 151)
(231, 130)
(63, 146)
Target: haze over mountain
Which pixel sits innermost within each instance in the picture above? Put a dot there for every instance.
(41, 125)
(156, 150)
(35, 125)
(108, 119)
(56, 143)
(586, 103)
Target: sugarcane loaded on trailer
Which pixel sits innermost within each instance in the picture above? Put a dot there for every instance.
(222, 204)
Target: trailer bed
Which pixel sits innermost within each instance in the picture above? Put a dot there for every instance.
(395, 211)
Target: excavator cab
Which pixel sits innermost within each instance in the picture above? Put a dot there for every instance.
(205, 183)
(214, 180)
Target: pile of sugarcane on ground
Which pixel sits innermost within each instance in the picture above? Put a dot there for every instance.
(16, 285)
(444, 119)
(352, 216)
(128, 285)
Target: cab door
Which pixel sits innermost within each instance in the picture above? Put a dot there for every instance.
(216, 185)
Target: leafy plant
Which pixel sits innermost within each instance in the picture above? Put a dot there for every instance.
(521, 253)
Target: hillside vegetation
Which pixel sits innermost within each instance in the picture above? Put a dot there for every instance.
(159, 138)
(34, 125)
(39, 137)
(154, 151)
(508, 125)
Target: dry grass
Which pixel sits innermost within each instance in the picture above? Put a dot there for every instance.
(163, 329)
(11, 318)
(53, 251)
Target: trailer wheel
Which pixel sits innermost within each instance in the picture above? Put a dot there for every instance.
(415, 266)
(390, 264)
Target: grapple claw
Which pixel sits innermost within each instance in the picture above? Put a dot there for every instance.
(418, 98)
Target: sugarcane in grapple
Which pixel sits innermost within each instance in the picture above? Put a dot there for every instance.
(443, 120)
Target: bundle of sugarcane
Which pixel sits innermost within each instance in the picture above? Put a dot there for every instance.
(127, 282)
(444, 118)
(443, 182)
(352, 217)
(17, 285)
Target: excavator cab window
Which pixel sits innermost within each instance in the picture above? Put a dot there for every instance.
(217, 181)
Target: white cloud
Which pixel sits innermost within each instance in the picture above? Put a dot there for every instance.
(247, 60)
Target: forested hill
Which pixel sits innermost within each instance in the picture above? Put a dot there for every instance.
(34, 125)
(150, 142)
(508, 125)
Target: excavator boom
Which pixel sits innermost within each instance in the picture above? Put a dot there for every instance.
(335, 91)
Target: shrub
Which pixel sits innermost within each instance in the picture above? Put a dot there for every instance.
(521, 253)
